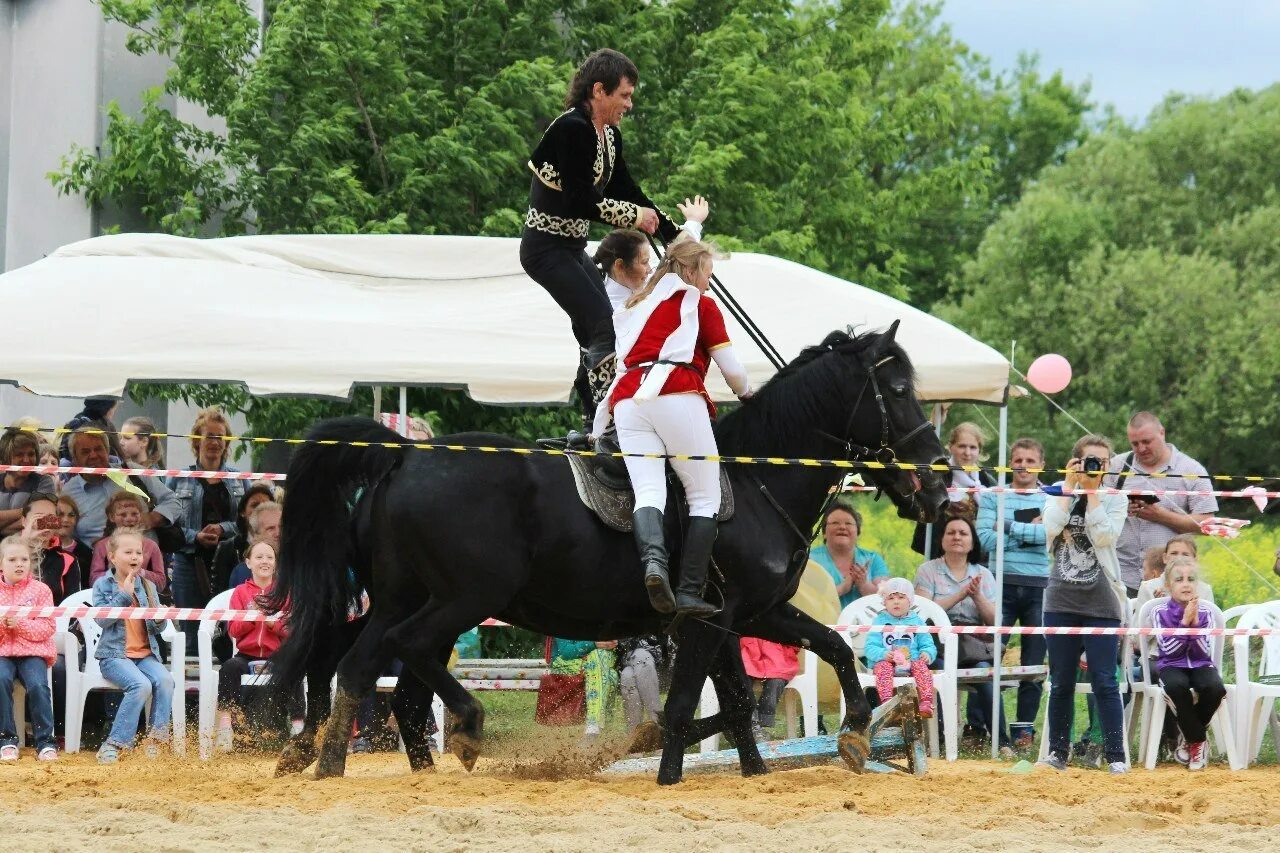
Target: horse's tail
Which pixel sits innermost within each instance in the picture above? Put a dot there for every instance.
(314, 584)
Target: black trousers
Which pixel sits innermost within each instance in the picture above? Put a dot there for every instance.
(1194, 713)
(563, 269)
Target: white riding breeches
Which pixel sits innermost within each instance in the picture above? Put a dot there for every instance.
(670, 424)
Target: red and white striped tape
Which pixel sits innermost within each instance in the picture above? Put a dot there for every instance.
(141, 472)
(225, 615)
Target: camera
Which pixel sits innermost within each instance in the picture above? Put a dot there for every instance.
(1091, 465)
(48, 522)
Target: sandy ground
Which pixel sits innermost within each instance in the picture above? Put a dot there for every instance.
(235, 804)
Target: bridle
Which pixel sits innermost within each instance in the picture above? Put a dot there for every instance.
(887, 452)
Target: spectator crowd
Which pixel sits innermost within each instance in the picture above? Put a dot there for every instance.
(1070, 558)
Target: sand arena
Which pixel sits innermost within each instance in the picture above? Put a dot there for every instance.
(235, 804)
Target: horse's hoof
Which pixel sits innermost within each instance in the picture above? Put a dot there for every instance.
(753, 769)
(670, 778)
(854, 748)
(646, 738)
(293, 760)
(466, 748)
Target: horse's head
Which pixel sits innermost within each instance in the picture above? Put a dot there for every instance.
(887, 424)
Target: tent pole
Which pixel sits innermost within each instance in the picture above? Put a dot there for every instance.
(404, 410)
(377, 401)
(928, 528)
(997, 655)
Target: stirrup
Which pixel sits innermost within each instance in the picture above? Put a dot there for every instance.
(574, 440)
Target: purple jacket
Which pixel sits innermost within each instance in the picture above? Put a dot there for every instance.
(1183, 652)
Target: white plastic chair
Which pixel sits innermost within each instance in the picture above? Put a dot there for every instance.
(1255, 698)
(945, 685)
(80, 683)
(1126, 685)
(208, 677)
(803, 688)
(1155, 702)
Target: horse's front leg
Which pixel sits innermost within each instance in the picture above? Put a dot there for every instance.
(699, 645)
(789, 626)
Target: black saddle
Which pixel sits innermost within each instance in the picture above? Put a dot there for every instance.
(605, 487)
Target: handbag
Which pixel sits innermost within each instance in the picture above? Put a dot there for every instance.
(974, 649)
(562, 699)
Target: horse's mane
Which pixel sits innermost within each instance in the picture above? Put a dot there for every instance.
(799, 394)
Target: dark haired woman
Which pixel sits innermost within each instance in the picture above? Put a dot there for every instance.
(623, 255)
(581, 176)
(959, 584)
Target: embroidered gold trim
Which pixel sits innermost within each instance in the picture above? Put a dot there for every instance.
(558, 225)
(547, 174)
(613, 154)
(619, 214)
(597, 169)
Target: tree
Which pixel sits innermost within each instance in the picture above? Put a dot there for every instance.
(1150, 259)
(860, 140)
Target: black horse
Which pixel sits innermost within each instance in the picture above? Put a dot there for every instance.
(442, 540)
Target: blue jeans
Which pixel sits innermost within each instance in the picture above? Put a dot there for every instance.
(140, 680)
(186, 593)
(1064, 658)
(34, 674)
(1024, 605)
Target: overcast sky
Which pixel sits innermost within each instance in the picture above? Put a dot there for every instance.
(1133, 51)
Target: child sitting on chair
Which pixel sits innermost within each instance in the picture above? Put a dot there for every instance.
(902, 647)
(26, 651)
(1185, 663)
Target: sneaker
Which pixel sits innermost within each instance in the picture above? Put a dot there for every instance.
(1093, 756)
(296, 726)
(1117, 768)
(49, 753)
(592, 730)
(108, 754)
(1180, 753)
(1007, 754)
(8, 752)
(1057, 762)
(926, 710)
(1197, 755)
(758, 732)
(223, 740)
(151, 748)
(361, 746)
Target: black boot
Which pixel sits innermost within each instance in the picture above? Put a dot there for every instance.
(651, 541)
(694, 561)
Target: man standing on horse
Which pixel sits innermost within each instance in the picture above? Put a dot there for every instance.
(580, 176)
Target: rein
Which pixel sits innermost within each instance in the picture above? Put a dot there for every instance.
(885, 454)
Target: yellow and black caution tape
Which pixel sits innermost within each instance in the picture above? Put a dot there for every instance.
(737, 460)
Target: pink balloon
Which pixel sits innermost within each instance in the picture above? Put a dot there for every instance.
(1049, 373)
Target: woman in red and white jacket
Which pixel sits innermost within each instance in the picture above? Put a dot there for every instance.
(668, 333)
(255, 641)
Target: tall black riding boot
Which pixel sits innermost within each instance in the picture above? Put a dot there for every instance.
(694, 561)
(651, 541)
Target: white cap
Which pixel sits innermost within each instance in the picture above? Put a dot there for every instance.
(901, 585)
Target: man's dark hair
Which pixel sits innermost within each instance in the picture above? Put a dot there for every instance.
(605, 66)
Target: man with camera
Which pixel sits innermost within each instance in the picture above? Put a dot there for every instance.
(1154, 520)
(1026, 566)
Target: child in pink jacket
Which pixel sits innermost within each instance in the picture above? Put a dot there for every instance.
(26, 650)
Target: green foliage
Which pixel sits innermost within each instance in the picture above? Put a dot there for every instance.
(857, 139)
(1149, 259)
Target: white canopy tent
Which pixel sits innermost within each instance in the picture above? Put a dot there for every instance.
(317, 314)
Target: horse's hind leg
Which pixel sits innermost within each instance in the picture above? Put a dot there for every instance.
(300, 751)
(357, 673)
(734, 692)
(790, 626)
(699, 644)
(411, 703)
(419, 640)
